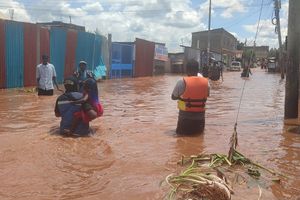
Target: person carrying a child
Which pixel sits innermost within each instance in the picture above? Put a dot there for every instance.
(91, 107)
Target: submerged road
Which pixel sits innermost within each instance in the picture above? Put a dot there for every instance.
(135, 147)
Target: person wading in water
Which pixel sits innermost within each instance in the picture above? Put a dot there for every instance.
(191, 93)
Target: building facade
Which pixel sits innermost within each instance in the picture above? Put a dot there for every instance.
(176, 64)
(260, 51)
(221, 42)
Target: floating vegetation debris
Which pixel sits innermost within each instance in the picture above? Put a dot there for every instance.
(194, 183)
(204, 178)
(28, 90)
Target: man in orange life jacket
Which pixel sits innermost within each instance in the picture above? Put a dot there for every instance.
(191, 93)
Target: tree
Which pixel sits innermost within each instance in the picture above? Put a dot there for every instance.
(248, 57)
(273, 53)
(240, 45)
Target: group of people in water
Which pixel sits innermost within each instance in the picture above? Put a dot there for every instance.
(79, 104)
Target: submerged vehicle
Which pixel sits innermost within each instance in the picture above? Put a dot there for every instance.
(235, 66)
(271, 64)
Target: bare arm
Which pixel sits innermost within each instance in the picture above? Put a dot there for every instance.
(82, 100)
(55, 82)
(178, 90)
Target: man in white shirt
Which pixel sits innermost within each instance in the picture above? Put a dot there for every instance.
(45, 76)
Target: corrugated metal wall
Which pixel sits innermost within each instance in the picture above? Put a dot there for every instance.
(105, 51)
(70, 64)
(58, 38)
(2, 55)
(14, 58)
(44, 43)
(85, 48)
(144, 57)
(23, 44)
(122, 60)
(30, 54)
(97, 51)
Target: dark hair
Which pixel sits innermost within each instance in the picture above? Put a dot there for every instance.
(192, 67)
(45, 56)
(91, 85)
(71, 84)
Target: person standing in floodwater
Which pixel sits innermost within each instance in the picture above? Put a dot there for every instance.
(83, 74)
(191, 93)
(45, 76)
(246, 71)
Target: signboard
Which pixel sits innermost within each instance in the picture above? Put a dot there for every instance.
(161, 53)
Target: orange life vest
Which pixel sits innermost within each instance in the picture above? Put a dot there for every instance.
(194, 97)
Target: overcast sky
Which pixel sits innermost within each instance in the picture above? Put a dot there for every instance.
(165, 21)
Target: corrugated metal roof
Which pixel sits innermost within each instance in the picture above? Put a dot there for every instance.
(14, 58)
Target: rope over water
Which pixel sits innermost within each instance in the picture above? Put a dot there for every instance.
(234, 138)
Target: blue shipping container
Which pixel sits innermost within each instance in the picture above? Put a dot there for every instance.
(14, 57)
(122, 60)
(58, 39)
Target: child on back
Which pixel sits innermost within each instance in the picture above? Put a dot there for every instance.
(91, 106)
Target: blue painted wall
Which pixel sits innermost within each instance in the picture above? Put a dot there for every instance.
(58, 40)
(85, 48)
(14, 57)
(122, 60)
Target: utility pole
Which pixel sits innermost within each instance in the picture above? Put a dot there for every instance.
(277, 4)
(11, 14)
(208, 33)
(292, 72)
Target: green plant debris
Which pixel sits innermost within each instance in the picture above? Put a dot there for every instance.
(204, 178)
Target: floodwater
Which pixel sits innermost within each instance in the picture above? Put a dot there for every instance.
(134, 146)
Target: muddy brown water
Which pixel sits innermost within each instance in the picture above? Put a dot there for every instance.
(135, 147)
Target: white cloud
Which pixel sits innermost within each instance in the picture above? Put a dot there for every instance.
(19, 11)
(266, 34)
(166, 21)
(226, 8)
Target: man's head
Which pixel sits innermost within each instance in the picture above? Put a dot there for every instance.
(45, 59)
(82, 65)
(71, 84)
(192, 68)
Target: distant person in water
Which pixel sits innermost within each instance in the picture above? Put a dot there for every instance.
(66, 109)
(82, 74)
(246, 71)
(45, 77)
(191, 93)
